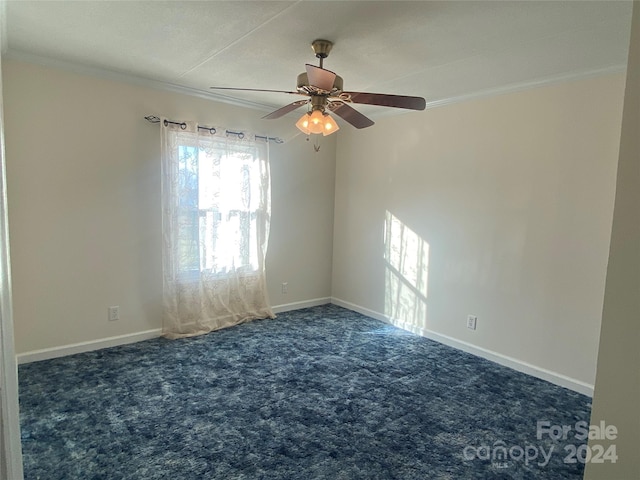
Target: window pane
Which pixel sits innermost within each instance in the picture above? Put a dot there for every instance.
(219, 195)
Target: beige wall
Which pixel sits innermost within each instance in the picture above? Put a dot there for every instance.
(504, 204)
(617, 394)
(508, 200)
(84, 203)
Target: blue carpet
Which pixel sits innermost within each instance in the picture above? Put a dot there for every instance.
(319, 393)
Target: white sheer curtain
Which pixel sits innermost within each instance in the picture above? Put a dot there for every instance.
(215, 225)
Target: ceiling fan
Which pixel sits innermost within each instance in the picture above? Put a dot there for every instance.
(325, 93)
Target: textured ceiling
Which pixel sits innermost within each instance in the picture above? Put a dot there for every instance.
(438, 50)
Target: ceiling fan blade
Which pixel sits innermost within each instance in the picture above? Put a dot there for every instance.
(384, 100)
(351, 115)
(255, 90)
(284, 110)
(320, 78)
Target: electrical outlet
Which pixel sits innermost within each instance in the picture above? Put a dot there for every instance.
(472, 321)
(285, 287)
(114, 313)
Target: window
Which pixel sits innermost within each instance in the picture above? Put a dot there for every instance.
(217, 210)
(215, 225)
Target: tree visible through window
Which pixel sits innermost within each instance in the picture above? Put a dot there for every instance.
(217, 217)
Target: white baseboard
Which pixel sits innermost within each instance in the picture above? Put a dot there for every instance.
(514, 363)
(64, 350)
(314, 302)
(524, 367)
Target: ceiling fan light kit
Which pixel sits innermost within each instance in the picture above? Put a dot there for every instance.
(317, 122)
(325, 91)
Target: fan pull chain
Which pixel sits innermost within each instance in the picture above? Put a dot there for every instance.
(316, 143)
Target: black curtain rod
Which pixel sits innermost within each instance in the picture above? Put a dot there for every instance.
(212, 130)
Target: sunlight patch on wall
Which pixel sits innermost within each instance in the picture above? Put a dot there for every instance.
(406, 257)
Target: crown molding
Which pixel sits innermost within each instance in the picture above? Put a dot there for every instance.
(131, 79)
(506, 89)
(171, 87)
(528, 85)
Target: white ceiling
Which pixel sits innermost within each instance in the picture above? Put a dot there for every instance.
(438, 50)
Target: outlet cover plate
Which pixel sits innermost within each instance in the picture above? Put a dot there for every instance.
(114, 313)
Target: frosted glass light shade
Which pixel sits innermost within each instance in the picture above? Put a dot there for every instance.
(303, 124)
(317, 122)
(329, 126)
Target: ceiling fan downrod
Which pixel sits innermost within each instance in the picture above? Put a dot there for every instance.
(321, 48)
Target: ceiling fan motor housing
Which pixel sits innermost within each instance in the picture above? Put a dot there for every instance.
(318, 103)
